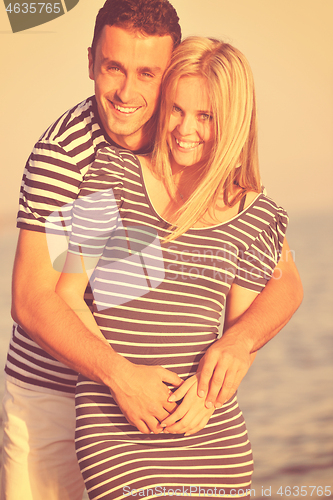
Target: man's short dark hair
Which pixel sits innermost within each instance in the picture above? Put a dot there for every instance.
(150, 17)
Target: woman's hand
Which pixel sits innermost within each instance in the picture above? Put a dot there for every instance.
(191, 415)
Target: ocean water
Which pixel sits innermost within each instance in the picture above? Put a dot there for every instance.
(287, 395)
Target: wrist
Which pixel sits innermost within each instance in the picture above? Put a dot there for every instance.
(237, 334)
(111, 368)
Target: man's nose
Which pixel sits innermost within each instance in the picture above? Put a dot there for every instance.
(127, 88)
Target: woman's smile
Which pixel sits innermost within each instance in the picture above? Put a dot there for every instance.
(190, 131)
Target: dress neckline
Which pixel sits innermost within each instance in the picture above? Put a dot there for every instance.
(165, 222)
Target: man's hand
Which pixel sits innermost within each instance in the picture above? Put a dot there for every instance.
(227, 361)
(222, 369)
(191, 415)
(142, 395)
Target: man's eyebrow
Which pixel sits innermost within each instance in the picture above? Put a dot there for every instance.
(150, 69)
(111, 62)
(143, 69)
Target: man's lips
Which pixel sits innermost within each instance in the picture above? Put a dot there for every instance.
(125, 110)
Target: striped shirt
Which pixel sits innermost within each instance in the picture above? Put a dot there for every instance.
(51, 180)
(160, 303)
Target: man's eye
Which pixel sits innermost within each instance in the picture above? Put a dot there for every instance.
(113, 68)
(147, 75)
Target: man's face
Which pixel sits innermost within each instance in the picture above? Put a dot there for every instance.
(127, 70)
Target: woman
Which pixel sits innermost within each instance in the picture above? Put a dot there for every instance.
(174, 235)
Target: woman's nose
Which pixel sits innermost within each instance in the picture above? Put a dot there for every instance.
(186, 126)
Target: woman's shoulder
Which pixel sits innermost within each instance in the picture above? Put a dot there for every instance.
(266, 204)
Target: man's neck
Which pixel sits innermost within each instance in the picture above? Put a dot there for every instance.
(131, 142)
(140, 142)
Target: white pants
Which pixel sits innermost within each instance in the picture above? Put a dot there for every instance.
(39, 461)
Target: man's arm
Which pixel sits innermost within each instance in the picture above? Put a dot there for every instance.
(47, 318)
(246, 334)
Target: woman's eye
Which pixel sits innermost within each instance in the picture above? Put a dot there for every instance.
(175, 109)
(206, 117)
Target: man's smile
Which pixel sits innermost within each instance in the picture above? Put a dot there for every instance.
(125, 110)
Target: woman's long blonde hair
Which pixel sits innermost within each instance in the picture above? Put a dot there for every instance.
(233, 158)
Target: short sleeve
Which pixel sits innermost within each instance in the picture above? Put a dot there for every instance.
(56, 167)
(257, 262)
(50, 181)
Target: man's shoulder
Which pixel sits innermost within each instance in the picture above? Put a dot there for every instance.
(74, 123)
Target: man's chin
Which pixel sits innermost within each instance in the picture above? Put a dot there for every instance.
(129, 137)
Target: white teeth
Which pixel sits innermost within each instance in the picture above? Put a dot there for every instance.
(124, 110)
(187, 145)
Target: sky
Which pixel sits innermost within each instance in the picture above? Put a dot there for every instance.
(288, 44)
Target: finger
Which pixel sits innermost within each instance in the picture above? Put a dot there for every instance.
(170, 377)
(178, 414)
(181, 426)
(204, 375)
(153, 424)
(183, 389)
(159, 412)
(216, 383)
(169, 407)
(191, 422)
(140, 425)
(230, 386)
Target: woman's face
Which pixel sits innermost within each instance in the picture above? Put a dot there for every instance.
(190, 131)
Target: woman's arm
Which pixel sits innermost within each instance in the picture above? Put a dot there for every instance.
(71, 287)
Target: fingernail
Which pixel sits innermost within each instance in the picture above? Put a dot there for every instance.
(171, 399)
(201, 394)
(209, 404)
(163, 425)
(218, 405)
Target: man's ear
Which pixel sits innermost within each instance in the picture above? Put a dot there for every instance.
(91, 64)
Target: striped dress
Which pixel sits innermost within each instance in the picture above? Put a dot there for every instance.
(160, 304)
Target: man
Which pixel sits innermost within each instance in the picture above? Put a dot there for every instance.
(132, 46)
